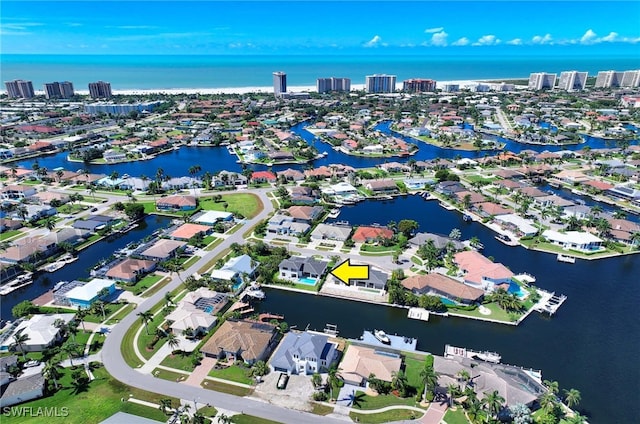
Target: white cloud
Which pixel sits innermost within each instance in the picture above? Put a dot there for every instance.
(542, 39)
(373, 42)
(461, 42)
(487, 40)
(439, 39)
(515, 42)
(613, 36)
(433, 30)
(589, 37)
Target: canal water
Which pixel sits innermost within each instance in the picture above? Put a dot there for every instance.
(176, 163)
(591, 344)
(87, 258)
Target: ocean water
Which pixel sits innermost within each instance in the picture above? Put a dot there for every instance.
(127, 72)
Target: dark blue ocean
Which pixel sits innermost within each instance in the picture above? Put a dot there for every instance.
(223, 71)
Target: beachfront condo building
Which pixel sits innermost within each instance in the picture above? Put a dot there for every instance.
(100, 90)
(541, 81)
(608, 79)
(279, 83)
(630, 79)
(418, 85)
(58, 90)
(380, 83)
(20, 89)
(572, 80)
(324, 85)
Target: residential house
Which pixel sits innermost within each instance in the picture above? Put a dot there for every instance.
(195, 314)
(291, 175)
(623, 231)
(481, 272)
(304, 353)
(189, 230)
(84, 296)
(23, 389)
(490, 209)
(163, 249)
(263, 177)
(285, 225)
(241, 340)
(449, 188)
(331, 232)
(41, 330)
(377, 280)
(440, 242)
(441, 285)
(177, 203)
(234, 270)
(298, 267)
(94, 223)
(368, 234)
(306, 214)
(211, 218)
(360, 362)
(574, 240)
(17, 192)
(382, 186)
(130, 270)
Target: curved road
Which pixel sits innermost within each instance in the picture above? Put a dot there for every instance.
(118, 368)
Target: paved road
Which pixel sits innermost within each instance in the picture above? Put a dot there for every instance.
(118, 368)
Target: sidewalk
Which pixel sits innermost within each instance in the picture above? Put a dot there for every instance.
(201, 372)
(155, 360)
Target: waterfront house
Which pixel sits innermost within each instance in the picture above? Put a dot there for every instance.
(284, 225)
(263, 177)
(365, 234)
(440, 242)
(195, 315)
(22, 389)
(17, 192)
(291, 175)
(473, 197)
(176, 203)
(377, 280)
(418, 183)
(517, 224)
(111, 156)
(227, 178)
(574, 240)
(130, 270)
(306, 214)
(382, 186)
(46, 197)
(94, 223)
(181, 183)
(163, 249)
(85, 295)
(297, 267)
(552, 201)
(449, 188)
(304, 195)
(480, 272)
(189, 230)
(623, 230)
(395, 167)
(490, 209)
(331, 232)
(29, 249)
(624, 193)
(304, 353)
(234, 269)
(211, 218)
(441, 285)
(579, 211)
(360, 362)
(241, 340)
(41, 330)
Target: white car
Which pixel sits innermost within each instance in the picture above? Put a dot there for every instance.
(30, 364)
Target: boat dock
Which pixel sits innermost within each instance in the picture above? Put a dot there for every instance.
(463, 352)
(525, 278)
(395, 341)
(419, 314)
(566, 258)
(549, 302)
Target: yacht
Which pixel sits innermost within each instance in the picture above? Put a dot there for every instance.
(254, 292)
(20, 281)
(381, 336)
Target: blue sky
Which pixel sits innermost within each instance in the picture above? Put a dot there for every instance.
(297, 27)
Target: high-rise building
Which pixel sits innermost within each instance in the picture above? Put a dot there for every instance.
(100, 90)
(58, 90)
(630, 79)
(325, 85)
(541, 80)
(20, 89)
(572, 80)
(279, 83)
(417, 85)
(608, 79)
(380, 83)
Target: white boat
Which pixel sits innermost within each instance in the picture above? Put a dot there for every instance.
(19, 282)
(453, 351)
(381, 336)
(565, 258)
(334, 213)
(254, 292)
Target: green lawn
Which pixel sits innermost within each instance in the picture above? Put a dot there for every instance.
(497, 313)
(9, 234)
(412, 369)
(169, 375)
(123, 312)
(380, 401)
(97, 318)
(226, 388)
(192, 260)
(156, 287)
(101, 400)
(145, 338)
(69, 208)
(233, 373)
(250, 419)
(246, 204)
(208, 411)
(141, 285)
(455, 417)
(179, 362)
(385, 417)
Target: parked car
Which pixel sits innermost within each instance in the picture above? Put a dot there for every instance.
(282, 381)
(30, 364)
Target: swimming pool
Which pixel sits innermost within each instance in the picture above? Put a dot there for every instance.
(236, 286)
(448, 302)
(308, 281)
(514, 288)
(208, 309)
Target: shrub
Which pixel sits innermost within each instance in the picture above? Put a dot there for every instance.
(320, 396)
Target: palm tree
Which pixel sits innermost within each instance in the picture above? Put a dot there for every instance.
(493, 403)
(80, 314)
(259, 369)
(52, 370)
(172, 341)
(19, 339)
(430, 380)
(71, 349)
(165, 404)
(576, 418)
(463, 376)
(333, 378)
(98, 306)
(316, 380)
(224, 419)
(72, 328)
(572, 397)
(49, 223)
(548, 401)
(146, 318)
(399, 382)
(168, 298)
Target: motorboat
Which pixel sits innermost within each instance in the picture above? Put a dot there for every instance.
(254, 292)
(566, 259)
(381, 336)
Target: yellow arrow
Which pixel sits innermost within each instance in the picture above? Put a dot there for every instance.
(345, 272)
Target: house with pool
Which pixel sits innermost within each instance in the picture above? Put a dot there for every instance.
(195, 313)
(304, 353)
(447, 288)
(234, 270)
(480, 272)
(303, 270)
(574, 240)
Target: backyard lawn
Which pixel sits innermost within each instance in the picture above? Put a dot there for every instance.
(385, 417)
(380, 401)
(179, 362)
(455, 417)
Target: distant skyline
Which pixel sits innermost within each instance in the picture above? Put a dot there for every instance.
(319, 27)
